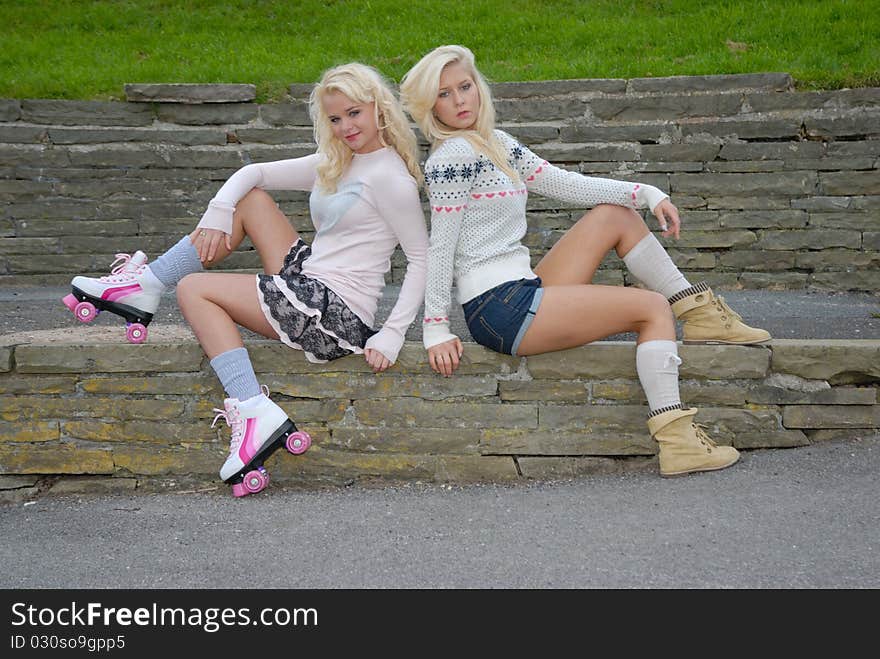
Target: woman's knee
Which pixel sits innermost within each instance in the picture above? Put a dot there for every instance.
(256, 199)
(189, 289)
(610, 217)
(656, 308)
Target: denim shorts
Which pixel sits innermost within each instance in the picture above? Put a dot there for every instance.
(499, 318)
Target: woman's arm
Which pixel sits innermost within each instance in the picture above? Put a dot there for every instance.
(448, 194)
(449, 176)
(293, 174)
(398, 203)
(548, 180)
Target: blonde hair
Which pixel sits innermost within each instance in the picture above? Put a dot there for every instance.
(418, 93)
(362, 84)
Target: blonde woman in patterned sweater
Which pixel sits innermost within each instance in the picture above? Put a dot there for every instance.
(478, 180)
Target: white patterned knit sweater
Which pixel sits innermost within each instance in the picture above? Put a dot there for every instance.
(478, 219)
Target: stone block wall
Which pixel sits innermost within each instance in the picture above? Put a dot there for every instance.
(777, 188)
(91, 407)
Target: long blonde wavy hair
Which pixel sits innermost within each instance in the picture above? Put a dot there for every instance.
(362, 84)
(418, 93)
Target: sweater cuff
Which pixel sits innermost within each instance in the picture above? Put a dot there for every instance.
(388, 342)
(217, 216)
(649, 196)
(436, 333)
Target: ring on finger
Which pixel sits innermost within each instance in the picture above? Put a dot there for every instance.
(203, 233)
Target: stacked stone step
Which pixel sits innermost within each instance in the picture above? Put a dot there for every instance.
(86, 404)
(778, 188)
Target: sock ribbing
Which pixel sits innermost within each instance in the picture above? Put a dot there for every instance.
(236, 374)
(178, 262)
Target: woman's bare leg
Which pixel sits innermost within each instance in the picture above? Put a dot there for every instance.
(576, 256)
(571, 316)
(258, 217)
(213, 303)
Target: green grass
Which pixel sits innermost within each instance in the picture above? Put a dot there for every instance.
(90, 49)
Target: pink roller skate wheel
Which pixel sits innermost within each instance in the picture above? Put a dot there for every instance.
(298, 442)
(70, 301)
(136, 333)
(254, 481)
(85, 312)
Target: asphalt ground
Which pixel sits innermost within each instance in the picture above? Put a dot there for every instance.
(802, 518)
(799, 518)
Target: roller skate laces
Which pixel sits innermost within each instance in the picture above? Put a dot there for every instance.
(232, 416)
(125, 268)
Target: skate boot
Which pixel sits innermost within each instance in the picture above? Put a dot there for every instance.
(685, 447)
(259, 428)
(706, 318)
(130, 291)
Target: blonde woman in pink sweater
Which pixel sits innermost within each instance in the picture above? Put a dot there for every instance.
(319, 298)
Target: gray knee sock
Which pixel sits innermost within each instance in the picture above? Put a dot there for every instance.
(178, 262)
(651, 265)
(236, 374)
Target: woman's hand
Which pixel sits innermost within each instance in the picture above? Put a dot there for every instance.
(206, 242)
(667, 213)
(444, 357)
(377, 361)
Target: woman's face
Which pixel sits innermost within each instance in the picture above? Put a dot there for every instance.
(352, 123)
(458, 101)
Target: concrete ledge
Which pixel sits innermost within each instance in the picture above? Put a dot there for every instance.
(84, 403)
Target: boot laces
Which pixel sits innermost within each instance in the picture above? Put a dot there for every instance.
(233, 419)
(700, 431)
(122, 269)
(724, 308)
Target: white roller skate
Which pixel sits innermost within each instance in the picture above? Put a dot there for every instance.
(259, 428)
(130, 291)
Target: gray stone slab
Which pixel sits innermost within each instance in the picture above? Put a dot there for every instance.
(301, 90)
(207, 114)
(652, 108)
(722, 82)
(22, 134)
(788, 183)
(158, 135)
(295, 113)
(558, 87)
(640, 132)
(867, 124)
(744, 128)
(849, 183)
(559, 108)
(736, 150)
(190, 92)
(274, 135)
(85, 113)
(10, 109)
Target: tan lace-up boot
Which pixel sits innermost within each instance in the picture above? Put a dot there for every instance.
(685, 447)
(706, 318)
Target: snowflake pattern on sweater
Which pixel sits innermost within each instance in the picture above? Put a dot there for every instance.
(478, 219)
